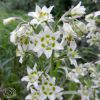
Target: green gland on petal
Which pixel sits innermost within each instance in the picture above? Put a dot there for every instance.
(43, 45)
(53, 38)
(47, 36)
(42, 39)
(53, 44)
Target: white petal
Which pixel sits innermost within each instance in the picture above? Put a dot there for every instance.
(58, 89)
(21, 59)
(38, 9)
(29, 97)
(32, 14)
(51, 97)
(32, 90)
(50, 8)
(65, 69)
(39, 53)
(34, 21)
(48, 53)
(76, 80)
(29, 70)
(73, 45)
(47, 30)
(34, 68)
(58, 47)
(45, 9)
(74, 62)
(28, 85)
(25, 78)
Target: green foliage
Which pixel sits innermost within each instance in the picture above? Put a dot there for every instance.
(10, 70)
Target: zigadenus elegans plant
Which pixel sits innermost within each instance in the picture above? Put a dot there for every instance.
(57, 43)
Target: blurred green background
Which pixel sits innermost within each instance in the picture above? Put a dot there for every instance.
(11, 71)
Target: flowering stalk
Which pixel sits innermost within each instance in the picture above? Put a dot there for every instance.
(58, 54)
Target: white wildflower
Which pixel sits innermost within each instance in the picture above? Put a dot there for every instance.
(68, 34)
(47, 42)
(80, 28)
(93, 16)
(77, 11)
(41, 15)
(72, 53)
(94, 39)
(9, 20)
(85, 93)
(49, 90)
(32, 77)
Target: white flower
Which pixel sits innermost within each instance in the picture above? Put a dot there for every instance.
(91, 26)
(9, 20)
(94, 39)
(93, 16)
(77, 11)
(68, 29)
(49, 90)
(47, 42)
(35, 95)
(76, 73)
(68, 34)
(21, 37)
(96, 82)
(71, 75)
(80, 28)
(72, 53)
(41, 15)
(80, 70)
(85, 93)
(32, 77)
(21, 34)
(20, 53)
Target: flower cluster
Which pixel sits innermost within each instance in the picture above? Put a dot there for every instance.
(42, 86)
(59, 44)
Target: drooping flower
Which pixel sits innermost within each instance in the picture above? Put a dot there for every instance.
(68, 34)
(21, 34)
(91, 26)
(32, 77)
(94, 39)
(77, 11)
(10, 19)
(80, 28)
(68, 31)
(72, 53)
(93, 17)
(41, 15)
(21, 38)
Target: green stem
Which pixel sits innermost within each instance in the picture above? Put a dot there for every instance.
(51, 64)
(33, 28)
(55, 27)
(49, 26)
(94, 95)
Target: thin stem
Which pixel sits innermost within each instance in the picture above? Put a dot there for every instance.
(51, 64)
(94, 95)
(55, 27)
(33, 28)
(72, 97)
(49, 26)
(70, 92)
